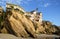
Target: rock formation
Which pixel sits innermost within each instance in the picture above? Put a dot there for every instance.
(16, 23)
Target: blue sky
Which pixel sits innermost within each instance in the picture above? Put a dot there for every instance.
(49, 8)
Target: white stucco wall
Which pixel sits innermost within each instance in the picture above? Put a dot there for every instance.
(34, 12)
(32, 17)
(40, 19)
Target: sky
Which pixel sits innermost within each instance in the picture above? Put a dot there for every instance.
(49, 8)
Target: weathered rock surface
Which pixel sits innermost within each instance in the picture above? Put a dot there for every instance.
(19, 25)
(47, 28)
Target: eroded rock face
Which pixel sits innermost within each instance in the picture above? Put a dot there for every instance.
(19, 25)
(46, 28)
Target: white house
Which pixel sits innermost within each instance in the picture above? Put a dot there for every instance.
(35, 16)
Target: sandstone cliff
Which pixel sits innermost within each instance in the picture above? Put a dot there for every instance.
(19, 25)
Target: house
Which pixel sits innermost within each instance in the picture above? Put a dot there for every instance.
(34, 15)
(10, 6)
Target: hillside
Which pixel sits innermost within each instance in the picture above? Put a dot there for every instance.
(14, 22)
